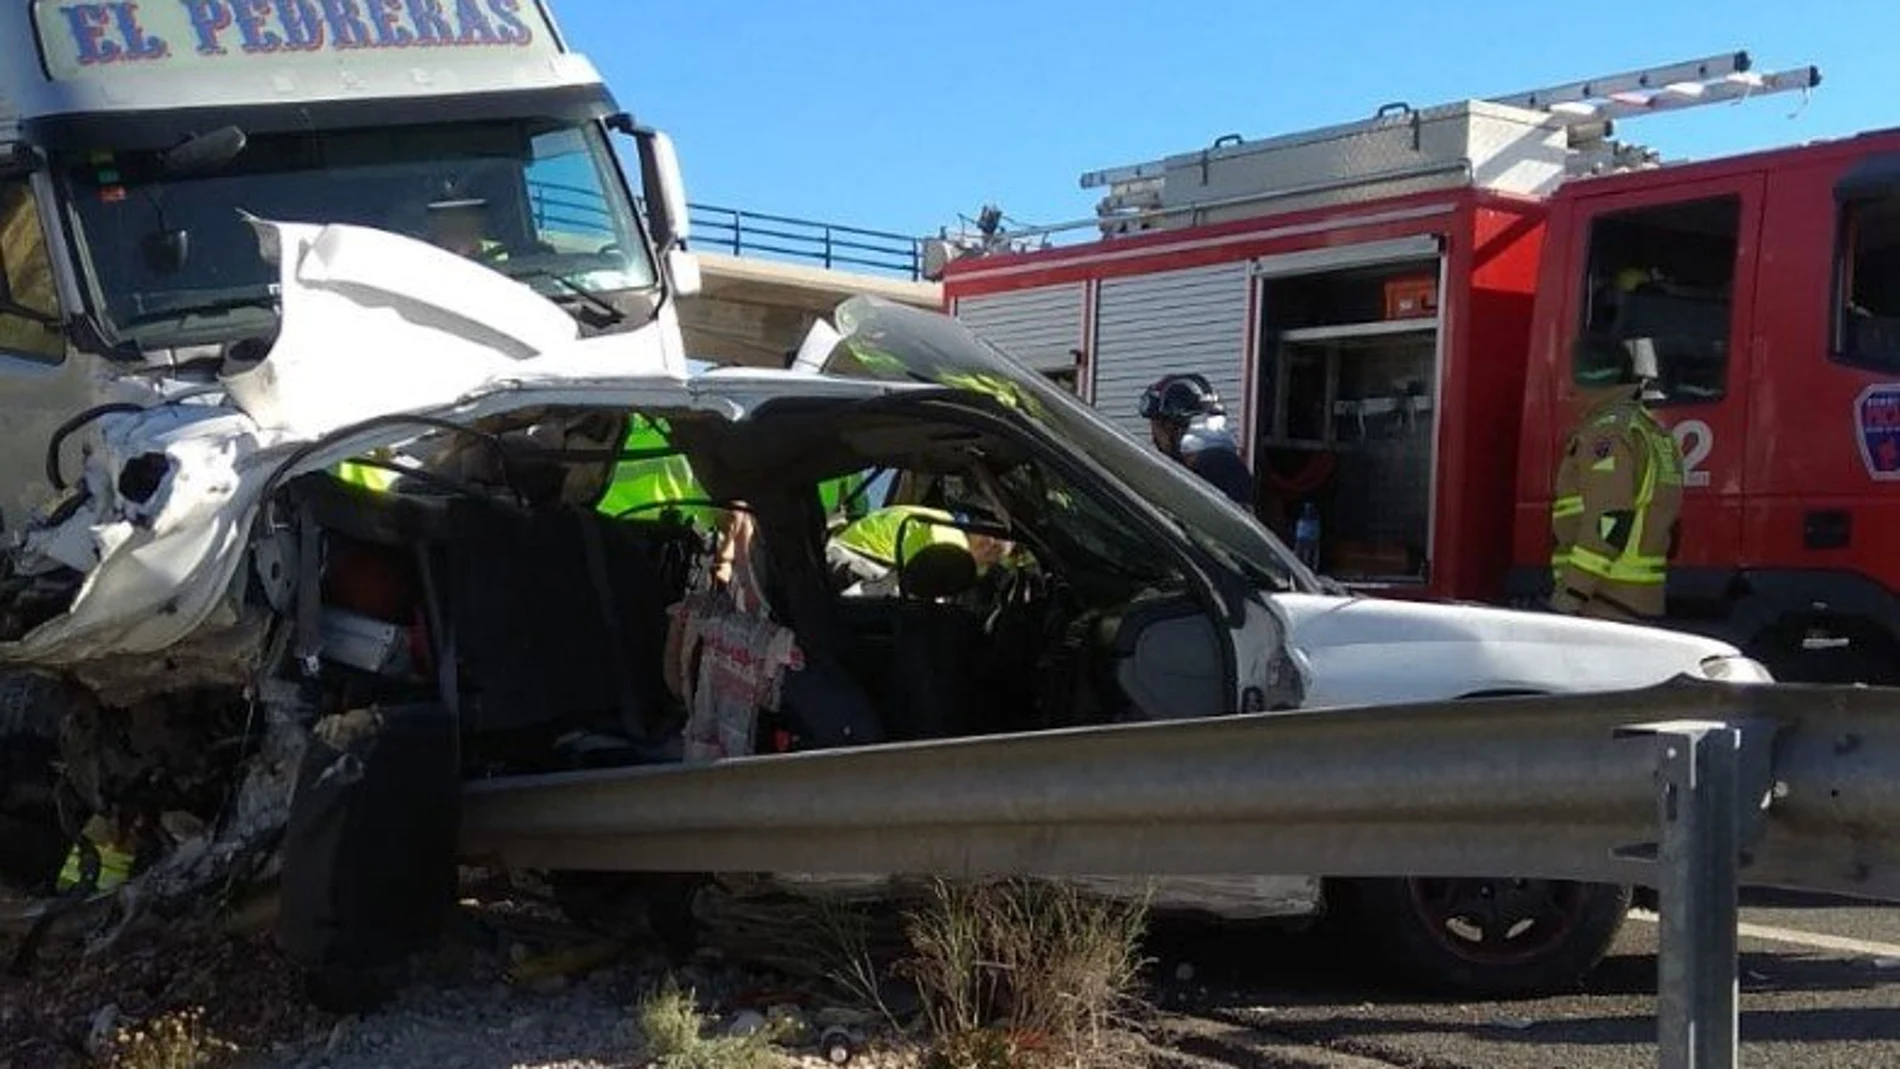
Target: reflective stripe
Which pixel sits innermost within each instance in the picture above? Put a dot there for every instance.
(1565, 507)
(367, 476)
(1630, 568)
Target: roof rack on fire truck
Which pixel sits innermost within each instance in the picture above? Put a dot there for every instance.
(1526, 142)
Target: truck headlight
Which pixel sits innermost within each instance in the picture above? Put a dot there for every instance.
(1735, 669)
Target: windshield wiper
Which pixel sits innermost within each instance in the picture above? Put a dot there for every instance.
(613, 315)
(222, 306)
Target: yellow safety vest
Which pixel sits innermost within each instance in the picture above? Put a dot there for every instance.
(115, 865)
(655, 481)
(876, 534)
(1640, 566)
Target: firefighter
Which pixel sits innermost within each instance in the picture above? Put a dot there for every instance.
(1187, 422)
(1617, 496)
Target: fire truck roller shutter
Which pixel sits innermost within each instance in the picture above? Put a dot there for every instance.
(1041, 327)
(1170, 323)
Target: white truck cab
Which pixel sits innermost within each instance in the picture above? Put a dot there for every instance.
(139, 141)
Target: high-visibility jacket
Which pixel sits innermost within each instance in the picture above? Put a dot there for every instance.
(114, 864)
(1614, 513)
(655, 481)
(367, 476)
(876, 534)
(842, 492)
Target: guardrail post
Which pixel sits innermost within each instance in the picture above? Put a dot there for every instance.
(1699, 798)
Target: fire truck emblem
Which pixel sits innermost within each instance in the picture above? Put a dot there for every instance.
(1877, 421)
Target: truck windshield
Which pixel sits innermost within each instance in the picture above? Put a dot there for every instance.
(171, 260)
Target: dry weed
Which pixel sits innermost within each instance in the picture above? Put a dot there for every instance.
(1021, 974)
(174, 1041)
(675, 1033)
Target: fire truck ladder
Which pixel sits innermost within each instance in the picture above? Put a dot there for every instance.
(1586, 108)
(1645, 92)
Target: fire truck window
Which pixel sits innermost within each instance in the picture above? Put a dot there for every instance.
(1657, 298)
(1870, 284)
(29, 278)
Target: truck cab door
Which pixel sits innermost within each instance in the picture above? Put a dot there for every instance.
(1674, 266)
(42, 384)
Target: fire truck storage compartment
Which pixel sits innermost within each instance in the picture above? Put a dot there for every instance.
(1348, 413)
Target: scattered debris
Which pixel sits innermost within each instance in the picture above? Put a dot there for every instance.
(747, 1024)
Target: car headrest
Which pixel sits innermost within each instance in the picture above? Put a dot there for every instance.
(939, 570)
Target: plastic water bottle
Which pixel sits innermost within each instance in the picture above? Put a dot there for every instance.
(1306, 536)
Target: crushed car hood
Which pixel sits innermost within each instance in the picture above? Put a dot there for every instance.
(1367, 651)
(373, 325)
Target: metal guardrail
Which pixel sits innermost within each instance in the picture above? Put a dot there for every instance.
(744, 233)
(1689, 787)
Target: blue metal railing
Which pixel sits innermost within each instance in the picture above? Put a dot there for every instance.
(806, 241)
(746, 233)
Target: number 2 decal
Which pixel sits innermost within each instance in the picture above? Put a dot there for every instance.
(1697, 441)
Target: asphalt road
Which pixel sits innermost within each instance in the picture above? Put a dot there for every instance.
(1820, 986)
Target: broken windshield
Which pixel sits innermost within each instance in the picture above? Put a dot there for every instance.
(886, 340)
(171, 260)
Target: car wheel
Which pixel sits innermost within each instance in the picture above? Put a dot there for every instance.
(1488, 937)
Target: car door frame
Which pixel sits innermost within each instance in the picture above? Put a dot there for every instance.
(1211, 585)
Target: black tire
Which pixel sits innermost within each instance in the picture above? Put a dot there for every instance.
(32, 844)
(1485, 938)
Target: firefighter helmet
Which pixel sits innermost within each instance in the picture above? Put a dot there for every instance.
(1179, 399)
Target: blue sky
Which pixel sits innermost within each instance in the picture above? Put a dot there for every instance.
(899, 115)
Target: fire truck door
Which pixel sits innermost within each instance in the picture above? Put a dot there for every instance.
(1664, 285)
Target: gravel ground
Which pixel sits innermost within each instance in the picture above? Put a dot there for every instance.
(468, 1006)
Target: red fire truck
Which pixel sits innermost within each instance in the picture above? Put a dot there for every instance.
(1394, 311)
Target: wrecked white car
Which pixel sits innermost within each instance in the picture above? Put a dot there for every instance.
(238, 602)
(307, 523)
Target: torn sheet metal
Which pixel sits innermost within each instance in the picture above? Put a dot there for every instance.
(374, 325)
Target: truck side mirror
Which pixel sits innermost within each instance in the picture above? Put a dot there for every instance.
(665, 190)
(662, 185)
(665, 193)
